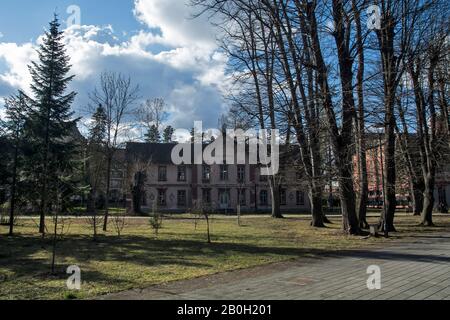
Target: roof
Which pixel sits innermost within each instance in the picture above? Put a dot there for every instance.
(161, 153)
(155, 152)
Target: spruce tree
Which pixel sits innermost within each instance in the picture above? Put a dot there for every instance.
(51, 124)
(96, 158)
(168, 133)
(153, 135)
(14, 125)
(97, 131)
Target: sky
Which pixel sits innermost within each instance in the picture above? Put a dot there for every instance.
(158, 43)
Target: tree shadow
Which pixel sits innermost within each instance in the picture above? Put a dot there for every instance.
(19, 255)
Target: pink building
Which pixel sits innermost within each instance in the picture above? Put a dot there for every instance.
(178, 188)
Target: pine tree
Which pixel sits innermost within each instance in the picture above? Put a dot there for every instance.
(97, 131)
(153, 135)
(168, 133)
(15, 115)
(96, 159)
(50, 127)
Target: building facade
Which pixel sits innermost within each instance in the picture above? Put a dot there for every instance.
(220, 187)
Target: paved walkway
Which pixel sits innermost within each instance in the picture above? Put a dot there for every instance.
(419, 270)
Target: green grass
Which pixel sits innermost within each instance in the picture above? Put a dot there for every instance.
(138, 259)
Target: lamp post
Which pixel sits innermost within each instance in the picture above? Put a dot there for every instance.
(383, 184)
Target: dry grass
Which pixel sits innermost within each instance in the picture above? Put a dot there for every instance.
(138, 259)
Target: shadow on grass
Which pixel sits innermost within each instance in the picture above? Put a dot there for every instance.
(30, 255)
(25, 254)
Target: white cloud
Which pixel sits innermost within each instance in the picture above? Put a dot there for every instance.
(185, 68)
(175, 20)
(16, 58)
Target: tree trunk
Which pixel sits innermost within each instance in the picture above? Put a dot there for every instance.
(13, 193)
(417, 192)
(390, 172)
(341, 139)
(108, 191)
(275, 193)
(44, 195)
(55, 234)
(208, 228)
(315, 196)
(428, 201)
(316, 189)
(360, 122)
(350, 222)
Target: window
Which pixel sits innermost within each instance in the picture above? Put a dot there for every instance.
(162, 197)
(206, 173)
(283, 199)
(181, 199)
(263, 198)
(242, 197)
(116, 174)
(115, 184)
(206, 196)
(162, 173)
(241, 173)
(144, 199)
(181, 173)
(224, 172)
(300, 198)
(224, 198)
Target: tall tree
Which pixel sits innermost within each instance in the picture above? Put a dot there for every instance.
(360, 119)
(398, 19)
(51, 120)
(153, 135)
(15, 116)
(341, 132)
(95, 162)
(424, 66)
(117, 95)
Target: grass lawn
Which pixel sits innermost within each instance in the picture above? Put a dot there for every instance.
(138, 258)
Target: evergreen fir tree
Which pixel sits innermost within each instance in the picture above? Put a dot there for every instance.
(97, 131)
(96, 159)
(168, 133)
(16, 119)
(51, 126)
(153, 135)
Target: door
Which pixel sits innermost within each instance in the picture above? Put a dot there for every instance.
(224, 199)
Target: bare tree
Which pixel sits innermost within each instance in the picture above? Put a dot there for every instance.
(203, 209)
(156, 219)
(119, 222)
(422, 71)
(61, 225)
(117, 95)
(152, 113)
(357, 7)
(296, 71)
(394, 39)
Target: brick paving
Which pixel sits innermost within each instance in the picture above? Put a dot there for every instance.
(419, 270)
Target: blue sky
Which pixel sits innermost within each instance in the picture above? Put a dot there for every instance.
(156, 42)
(33, 15)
